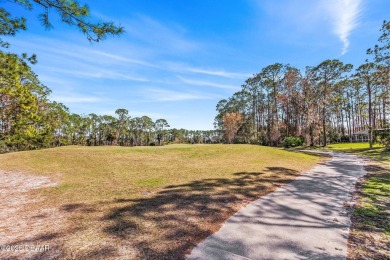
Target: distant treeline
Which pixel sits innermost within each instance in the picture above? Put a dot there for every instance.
(125, 130)
(323, 104)
(29, 120)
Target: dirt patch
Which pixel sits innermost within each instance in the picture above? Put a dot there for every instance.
(27, 228)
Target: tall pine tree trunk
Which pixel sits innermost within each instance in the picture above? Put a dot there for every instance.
(369, 114)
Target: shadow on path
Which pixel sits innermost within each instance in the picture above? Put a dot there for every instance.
(306, 219)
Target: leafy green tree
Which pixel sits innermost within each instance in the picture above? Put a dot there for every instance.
(109, 129)
(94, 136)
(147, 128)
(70, 11)
(160, 125)
(56, 123)
(22, 98)
(79, 126)
(121, 125)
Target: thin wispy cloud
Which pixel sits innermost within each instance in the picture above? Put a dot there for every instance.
(124, 59)
(163, 95)
(70, 52)
(219, 73)
(96, 73)
(345, 15)
(163, 37)
(206, 83)
(305, 22)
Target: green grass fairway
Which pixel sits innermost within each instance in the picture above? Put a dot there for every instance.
(353, 146)
(151, 202)
(378, 152)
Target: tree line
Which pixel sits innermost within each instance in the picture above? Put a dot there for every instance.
(124, 130)
(322, 104)
(30, 120)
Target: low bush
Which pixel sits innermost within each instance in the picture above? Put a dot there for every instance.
(3, 147)
(292, 141)
(383, 137)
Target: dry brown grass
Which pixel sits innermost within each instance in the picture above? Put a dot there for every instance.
(151, 202)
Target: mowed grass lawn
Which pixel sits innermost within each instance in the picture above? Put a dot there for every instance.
(377, 152)
(150, 202)
(370, 233)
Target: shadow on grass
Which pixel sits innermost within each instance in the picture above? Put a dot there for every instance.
(312, 152)
(162, 225)
(374, 153)
(168, 224)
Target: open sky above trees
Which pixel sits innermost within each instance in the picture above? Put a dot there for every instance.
(177, 59)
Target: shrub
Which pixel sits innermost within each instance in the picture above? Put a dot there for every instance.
(345, 139)
(3, 147)
(383, 138)
(386, 142)
(292, 141)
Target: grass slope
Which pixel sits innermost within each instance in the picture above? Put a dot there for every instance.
(151, 202)
(370, 233)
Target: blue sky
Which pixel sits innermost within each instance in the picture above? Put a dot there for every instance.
(177, 59)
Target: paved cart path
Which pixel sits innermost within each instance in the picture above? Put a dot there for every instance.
(305, 219)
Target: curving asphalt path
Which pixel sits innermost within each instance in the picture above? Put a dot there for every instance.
(305, 219)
